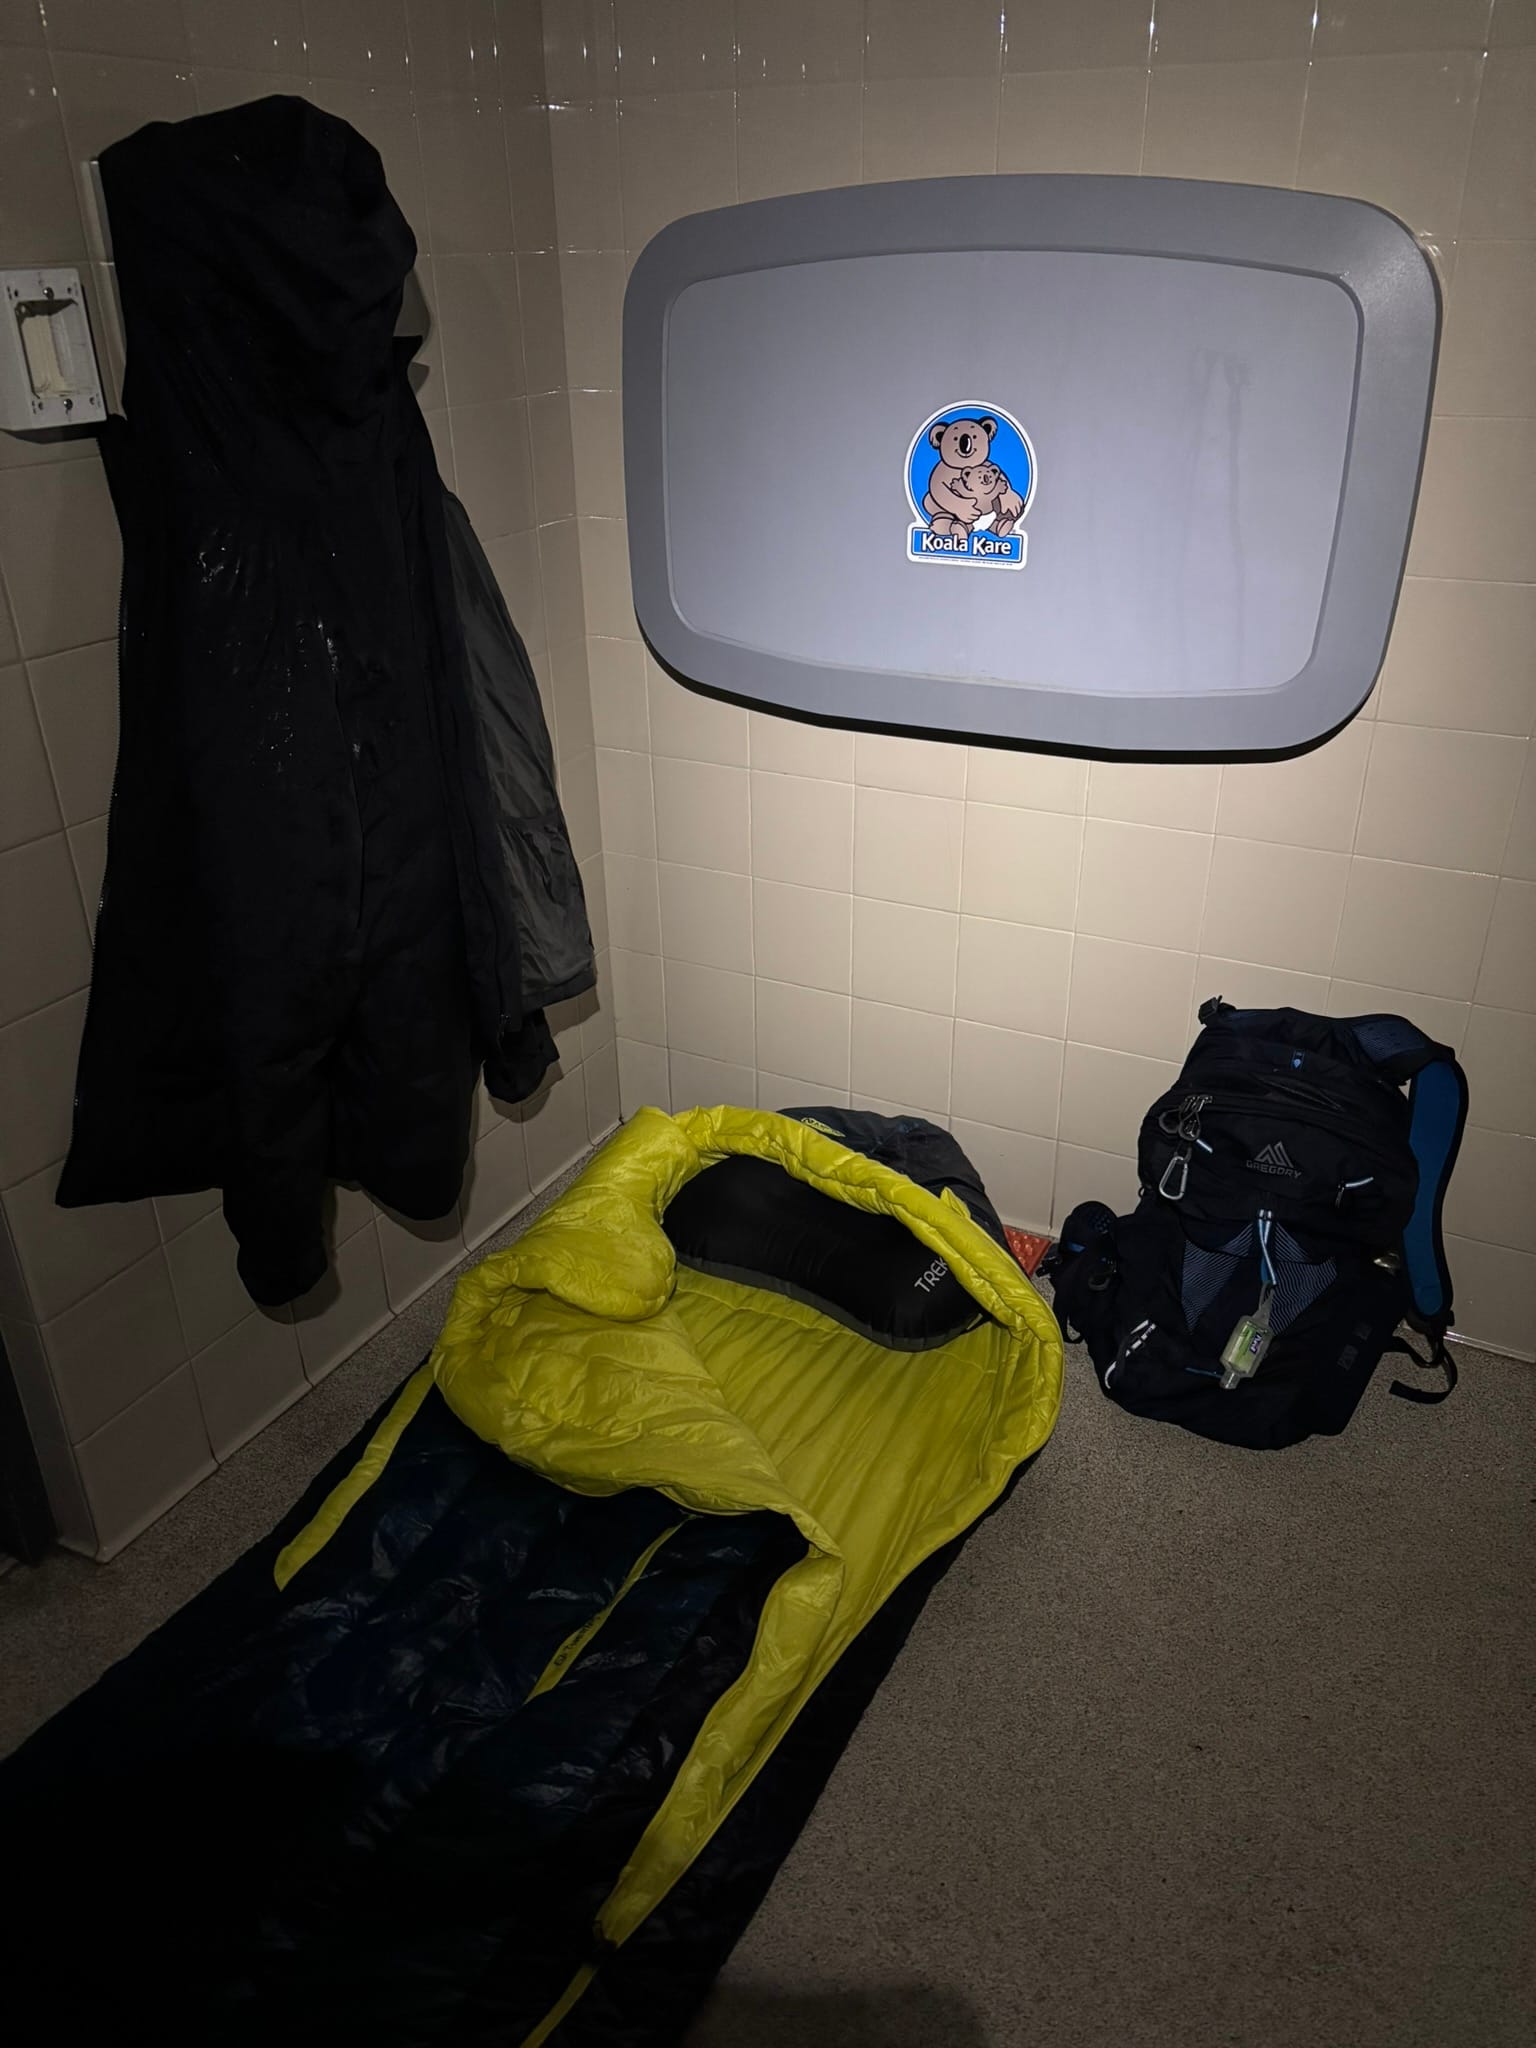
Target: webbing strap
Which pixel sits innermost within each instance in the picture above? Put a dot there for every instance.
(1428, 1397)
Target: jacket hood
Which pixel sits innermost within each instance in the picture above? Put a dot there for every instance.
(278, 261)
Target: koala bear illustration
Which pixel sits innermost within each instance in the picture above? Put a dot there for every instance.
(992, 492)
(951, 505)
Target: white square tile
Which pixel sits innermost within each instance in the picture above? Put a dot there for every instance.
(493, 464)
(706, 917)
(630, 889)
(1237, 121)
(584, 153)
(1014, 976)
(176, 1213)
(1180, 795)
(643, 1077)
(65, 1253)
(902, 1055)
(1486, 363)
(780, 42)
(1131, 998)
(604, 552)
(1460, 655)
(1009, 1080)
(1476, 514)
(1438, 1016)
(921, 767)
(1021, 865)
(1015, 1170)
(905, 955)
(1311, 800)
(794, 1091)
(677, 155)
(906, 849)
(143, 1460)
(1105, 1095)
(802, 831)
(709, 1012)
(464, 169)
(805, 1028)
(88, 857)
(1443, 799)
(597, 450)
(43, 938)
(554, 1127)
(1393, 129)
(1492, 1194)
(249, 1376)
(76, 696)
(1142, 883)
(416, 1254)
(50, 515)
(348, 1306)
(1249, 986)
(1499, 1054)
(600, 1075)
(37, 1087)
(1041, 36)
(1507, 977)
(626, 804)
(786, 746)
(1495, 1295)
(1414, 927)
(28, 807)
(1034, 782)
(114, 1346)
(210, 1295)
(34, 155)
(594, 889)
(496, 1182)
(1499, 201)
(1519, 858)
(930, 127)
(1085, 1175)
(1085, 120)
(702, 815)
(797, 138)
(639, 1010)
(1281, 903)
(803, 935)
(66, 1496)
(571, 689)
(592, 288)
(692, 727)
(698, 1082)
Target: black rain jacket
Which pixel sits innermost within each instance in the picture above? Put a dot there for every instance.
(337, 875)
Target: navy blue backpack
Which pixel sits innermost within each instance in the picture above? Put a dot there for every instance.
(1292, 1181)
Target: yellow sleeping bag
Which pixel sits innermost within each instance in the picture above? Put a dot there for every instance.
(588, 1355)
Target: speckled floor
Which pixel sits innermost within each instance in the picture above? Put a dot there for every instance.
(1194, 1748)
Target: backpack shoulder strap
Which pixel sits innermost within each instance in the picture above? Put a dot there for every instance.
(1437, 1116)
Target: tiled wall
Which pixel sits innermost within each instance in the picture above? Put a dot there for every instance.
(140, 1357)
(1013, 944)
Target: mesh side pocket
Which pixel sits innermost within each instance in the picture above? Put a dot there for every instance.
(1207, 1269)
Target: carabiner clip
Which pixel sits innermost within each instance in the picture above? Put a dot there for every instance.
(1177, 1168)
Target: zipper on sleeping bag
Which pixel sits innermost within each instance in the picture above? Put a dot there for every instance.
(579, 1638)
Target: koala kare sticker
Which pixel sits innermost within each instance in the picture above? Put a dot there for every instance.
(970, 479)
